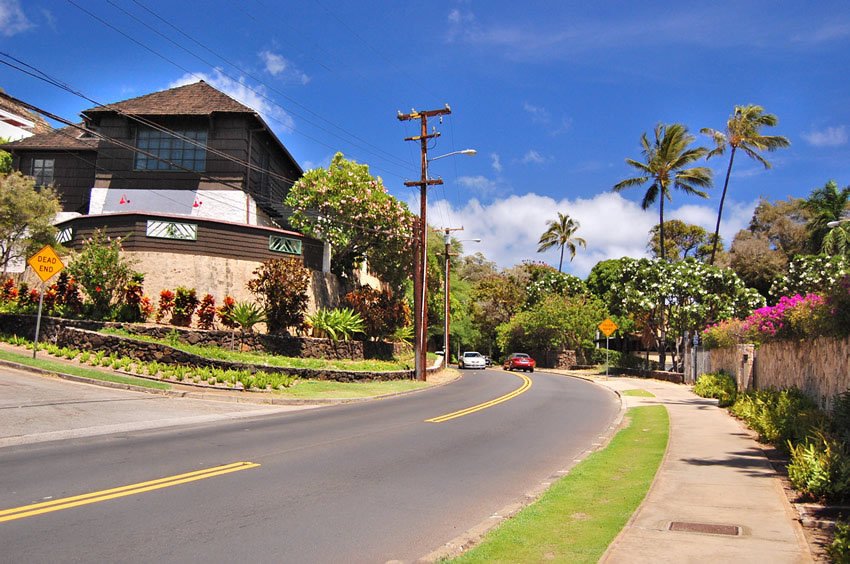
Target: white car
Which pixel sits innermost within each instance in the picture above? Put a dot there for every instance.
(472, 359)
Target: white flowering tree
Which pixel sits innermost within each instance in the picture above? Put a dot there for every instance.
(351, 210)
(810, 274)
(672, 299)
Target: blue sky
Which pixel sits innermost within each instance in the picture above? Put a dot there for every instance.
(553, 96)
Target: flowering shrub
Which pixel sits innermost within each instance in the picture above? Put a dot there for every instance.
(102, 273)
(794, 316)
(9, 292)
(724, 334)
(381, 312)
(809, 274)
(281, 288)
(135, 307)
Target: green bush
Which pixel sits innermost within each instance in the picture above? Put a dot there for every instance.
(592, 355)
(717, 385)
(336, 323)
(840, 416)
(281, 288)
(820, 467)
(839, 550)
(778, 416)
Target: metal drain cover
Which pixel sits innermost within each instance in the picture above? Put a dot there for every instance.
(707, 528)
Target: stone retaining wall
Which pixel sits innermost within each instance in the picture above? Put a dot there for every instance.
(82, 339)
(675, 377)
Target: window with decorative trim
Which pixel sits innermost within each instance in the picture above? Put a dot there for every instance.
(285, 245)
(172, 150)
(42, 170)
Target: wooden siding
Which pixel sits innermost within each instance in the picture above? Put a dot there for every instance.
(73, 175)
(214, 238)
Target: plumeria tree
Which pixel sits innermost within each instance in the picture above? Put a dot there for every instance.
(351, 210)
(810, 274)
(671, 299)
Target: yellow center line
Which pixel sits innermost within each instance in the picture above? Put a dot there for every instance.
(122, 491)
(525, 386)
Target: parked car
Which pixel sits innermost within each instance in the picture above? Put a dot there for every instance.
(472, 359)
(519, 361)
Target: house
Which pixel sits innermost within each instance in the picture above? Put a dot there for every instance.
(194, 178)
(16, 122)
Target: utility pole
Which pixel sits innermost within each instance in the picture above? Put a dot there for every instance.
(420, 288)
(447, 240)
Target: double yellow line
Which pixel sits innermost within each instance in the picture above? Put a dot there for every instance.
(132, 489)
(526, 384)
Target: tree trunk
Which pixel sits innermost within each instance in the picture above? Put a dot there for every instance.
(720, 210)
(561, 262)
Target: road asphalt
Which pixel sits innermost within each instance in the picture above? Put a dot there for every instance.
(715, 498)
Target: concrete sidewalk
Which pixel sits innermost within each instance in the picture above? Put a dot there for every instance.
(715, 498)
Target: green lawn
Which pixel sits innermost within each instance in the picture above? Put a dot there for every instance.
(63, 368)
(581, 514)
(324, 389)
(638, 393)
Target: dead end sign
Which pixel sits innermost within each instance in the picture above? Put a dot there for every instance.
(46, 263)
(608, 327)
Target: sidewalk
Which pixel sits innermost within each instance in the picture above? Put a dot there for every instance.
(715, 498)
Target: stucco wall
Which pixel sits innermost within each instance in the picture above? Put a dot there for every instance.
(220, 277)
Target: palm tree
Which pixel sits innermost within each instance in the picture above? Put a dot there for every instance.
(560, 234)
(742, 132)
(825, 205)
(665, 164)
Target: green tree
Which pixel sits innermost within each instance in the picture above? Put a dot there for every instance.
(825, 205)
(743, 131)
(755, 261)
(26, 215)
(281, 288)
(103, 273)
(683, 240)
(665, 164)
(561, 233)
(351, 210)
(5, 158)
(494, 300)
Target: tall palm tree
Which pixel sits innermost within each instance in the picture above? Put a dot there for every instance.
(560, 233)
(665, 164)
(743, 132)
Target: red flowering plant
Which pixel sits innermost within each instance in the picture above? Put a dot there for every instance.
(132, 296)
(166, 304)
(9, 292)
(793, 316)
(207, 312)
(185, 303)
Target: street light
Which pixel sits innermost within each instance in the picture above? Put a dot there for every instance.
(837, 223)
(469, 152)
(447, 241)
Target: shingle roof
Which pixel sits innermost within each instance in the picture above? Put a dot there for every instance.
(8, 104)
(198, 98)
(64, 139)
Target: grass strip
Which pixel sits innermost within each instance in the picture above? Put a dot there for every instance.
(63, 368)
(638, 393)
(327, 389)
(581, 514)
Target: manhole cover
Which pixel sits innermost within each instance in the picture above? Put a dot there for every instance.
(708, 528)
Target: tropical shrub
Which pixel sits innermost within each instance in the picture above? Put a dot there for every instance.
(207, 312)
(839, 550)
(820, 467)
(185, 303)
(717, 385)
(775, 322)
(724, 334)
(778, 416)
(166, 304)
(102, 272)
(381, 312)
(224, 312)
(134, 305)
(336, 323)
(281, 288)
(245, 315)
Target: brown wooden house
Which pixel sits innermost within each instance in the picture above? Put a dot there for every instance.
(195, 178)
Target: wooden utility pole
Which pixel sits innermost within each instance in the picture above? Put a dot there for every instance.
(420, 288)
(446, 312)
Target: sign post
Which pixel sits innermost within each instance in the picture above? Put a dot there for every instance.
(46, 264)
(607, 327)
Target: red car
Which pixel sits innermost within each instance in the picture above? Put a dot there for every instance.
(519, 361)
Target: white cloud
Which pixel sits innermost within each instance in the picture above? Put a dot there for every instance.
(277, 65)
(255, 97)
(613, 226)
(495, 162)
(538, 114)
(478, 185)
(828, 137)
(12, 18)
(532, 156)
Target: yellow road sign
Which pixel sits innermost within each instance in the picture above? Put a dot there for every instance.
(46, 263)
(608, 327)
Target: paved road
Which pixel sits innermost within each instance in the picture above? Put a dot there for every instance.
(367, 482)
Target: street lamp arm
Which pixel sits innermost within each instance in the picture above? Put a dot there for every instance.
(837, 223)
(469, 152)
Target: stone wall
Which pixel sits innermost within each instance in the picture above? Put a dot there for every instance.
(555, 359)
(82, 339)
(819, 367)
(284, 345)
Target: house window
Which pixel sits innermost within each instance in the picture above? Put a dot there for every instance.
(172, 230)
(170, 147)
(285, 245)
(42, 170)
